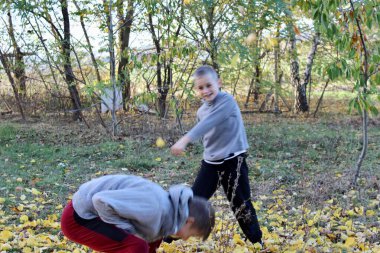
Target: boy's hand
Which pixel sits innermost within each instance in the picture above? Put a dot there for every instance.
(179, 147)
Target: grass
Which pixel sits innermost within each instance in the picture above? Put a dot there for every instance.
(283, 150)
(307, 160)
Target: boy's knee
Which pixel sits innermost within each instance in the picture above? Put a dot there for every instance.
(142, 247)
(134, 244)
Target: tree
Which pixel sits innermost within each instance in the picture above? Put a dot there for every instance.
(213, 20)
(6, 66)
(164, 22)
(42, 10)
(68, 69)
(347, 24)
(125, 26)
(19, 64)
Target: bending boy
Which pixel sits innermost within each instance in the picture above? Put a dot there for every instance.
(125, 213)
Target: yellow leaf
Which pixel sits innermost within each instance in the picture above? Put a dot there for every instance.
(272, 42)
(240, 249)
(5, 246)
(351, 212)
(337, 213)
(20, 207)
(158, 159)
(186, 1)
(350, 241)
(24, 218)
(359, 210)
(237, 240)
(27, 250)
(257, 246)
(342, 227)
(2, 200)
(235, 59)
(370, 213)
(23, 197)
(5, 235)
(35, 191)
(257, 205)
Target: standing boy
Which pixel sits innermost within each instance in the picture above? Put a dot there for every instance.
(220, 125)
(129, 214)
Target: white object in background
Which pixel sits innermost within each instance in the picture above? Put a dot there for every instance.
(107, 100)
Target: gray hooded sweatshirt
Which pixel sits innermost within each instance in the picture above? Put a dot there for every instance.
(134, 204)
(221, 127)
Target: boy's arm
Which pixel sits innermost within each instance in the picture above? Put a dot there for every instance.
(216, 117)
(179, 147)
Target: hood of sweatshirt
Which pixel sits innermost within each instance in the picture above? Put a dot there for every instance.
(179, 197)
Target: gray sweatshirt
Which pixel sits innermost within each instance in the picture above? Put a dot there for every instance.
(134, 204)
(221, 125)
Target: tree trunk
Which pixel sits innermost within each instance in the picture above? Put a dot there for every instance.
(249, 91)
(303, 103)
(161, 86)
(300, 103)
(212, 41)
(6, 66)
(277, 75)
(364, 70)
(256, 91)
(19, 66)
(321, 97)
(123, 72)
(108, 11)
(68, 70)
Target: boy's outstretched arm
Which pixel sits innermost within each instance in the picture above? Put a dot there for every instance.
(179, 147)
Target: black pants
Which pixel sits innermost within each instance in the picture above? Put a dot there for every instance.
(233, 176)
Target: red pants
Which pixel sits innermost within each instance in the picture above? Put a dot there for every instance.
(101, 236)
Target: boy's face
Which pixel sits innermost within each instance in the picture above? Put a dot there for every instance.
(188, 230)
(207, 87)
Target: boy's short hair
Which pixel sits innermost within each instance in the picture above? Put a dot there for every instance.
(205, 70)
(204, 215)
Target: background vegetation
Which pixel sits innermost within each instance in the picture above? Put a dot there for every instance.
(305, 74)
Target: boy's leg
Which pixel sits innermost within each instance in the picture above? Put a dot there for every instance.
(205, 185)
(153, 246)
(207, 180)
(99, 235)
(239, 193)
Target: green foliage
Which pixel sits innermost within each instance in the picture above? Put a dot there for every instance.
(348, 28)
(7, 132)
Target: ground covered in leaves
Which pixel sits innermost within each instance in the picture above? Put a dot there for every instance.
(300, 174)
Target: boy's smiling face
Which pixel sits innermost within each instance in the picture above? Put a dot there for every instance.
(207, 87)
